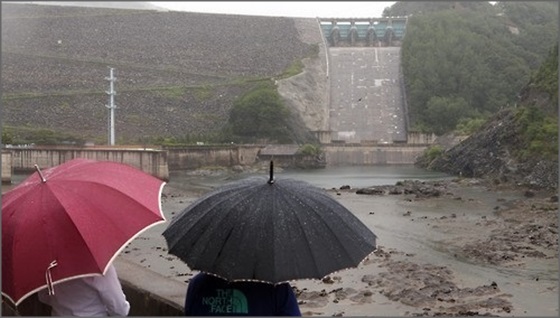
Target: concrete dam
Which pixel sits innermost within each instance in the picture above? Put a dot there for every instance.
(366, 100)
(356, 99)
(367, 110)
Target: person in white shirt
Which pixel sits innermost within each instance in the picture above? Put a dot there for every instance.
(93, 296)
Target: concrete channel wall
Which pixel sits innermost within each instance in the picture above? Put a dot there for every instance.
(6, 167)
(151, 161)
(360, 155)
(159, 162)
(194, 157)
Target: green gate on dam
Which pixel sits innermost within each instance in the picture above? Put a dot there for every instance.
(388, 31)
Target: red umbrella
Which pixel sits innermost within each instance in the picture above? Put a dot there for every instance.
(71, 221)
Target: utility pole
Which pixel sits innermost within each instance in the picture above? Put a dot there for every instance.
(111, 106)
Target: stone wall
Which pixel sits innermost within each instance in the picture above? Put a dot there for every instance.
(6, 167)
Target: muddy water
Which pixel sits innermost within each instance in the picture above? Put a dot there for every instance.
(332, 177)
(422, 235)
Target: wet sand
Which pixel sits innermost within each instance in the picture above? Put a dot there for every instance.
(449, 249)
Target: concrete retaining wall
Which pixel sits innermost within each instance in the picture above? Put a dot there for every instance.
(160, 162)
(150, 293)
(416, 138)
(205, 156)
(6, 167)
(363, 155)
(151, 161)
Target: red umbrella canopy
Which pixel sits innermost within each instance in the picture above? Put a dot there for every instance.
(72, 220)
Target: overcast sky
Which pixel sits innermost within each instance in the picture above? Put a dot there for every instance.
(302, 9)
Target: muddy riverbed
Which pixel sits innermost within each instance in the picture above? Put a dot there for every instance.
(449, 248)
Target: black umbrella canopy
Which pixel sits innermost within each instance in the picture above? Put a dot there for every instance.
(271, 230)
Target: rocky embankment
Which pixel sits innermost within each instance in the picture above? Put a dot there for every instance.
(490, 154)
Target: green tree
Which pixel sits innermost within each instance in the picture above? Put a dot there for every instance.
(260, 114)
(310, 150)
(7, 136)
(469, 126)
(546, 78)
(472, 56)
(445, 113)
(539, 133)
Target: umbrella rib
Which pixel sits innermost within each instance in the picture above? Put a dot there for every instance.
(315, 264)
(116, 225)
(306, 236)
(223, 199)
(328, 225)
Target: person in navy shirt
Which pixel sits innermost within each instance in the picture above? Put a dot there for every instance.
(208, 295)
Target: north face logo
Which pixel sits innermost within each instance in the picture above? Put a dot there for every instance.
(227, 301)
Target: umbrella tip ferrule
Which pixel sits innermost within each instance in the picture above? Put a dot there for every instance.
(271, 179)
(40, 173)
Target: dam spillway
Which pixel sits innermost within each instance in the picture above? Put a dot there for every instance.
(365, 95)
(367, 109)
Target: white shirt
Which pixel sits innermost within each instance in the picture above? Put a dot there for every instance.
(93, 296)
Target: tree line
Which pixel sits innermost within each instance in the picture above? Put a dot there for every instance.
(462, 62)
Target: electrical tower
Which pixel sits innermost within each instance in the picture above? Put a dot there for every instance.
(111, 106)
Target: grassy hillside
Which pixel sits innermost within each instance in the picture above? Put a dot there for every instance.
(178, 73)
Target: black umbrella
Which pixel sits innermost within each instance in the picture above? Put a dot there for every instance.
(269, 230)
